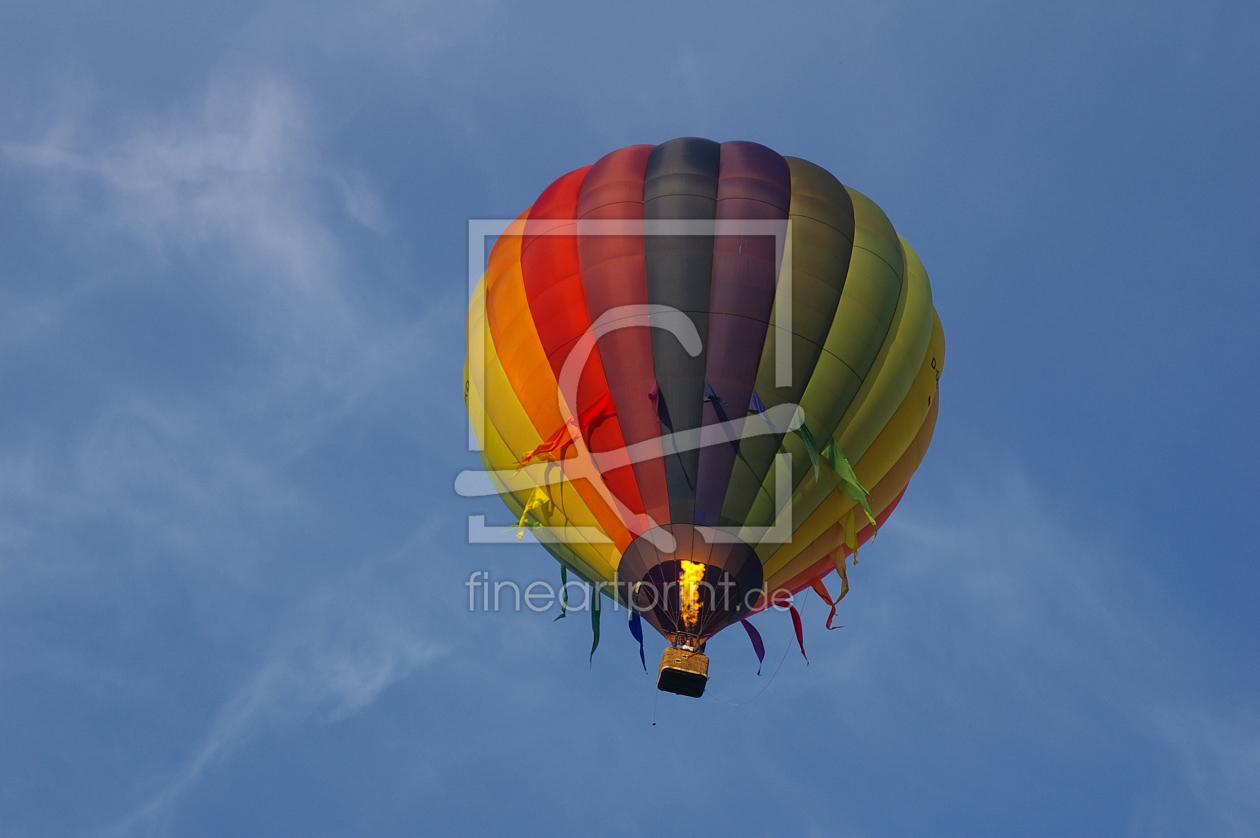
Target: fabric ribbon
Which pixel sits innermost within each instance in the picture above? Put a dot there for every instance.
(821, 590)
(636, 630)
(595, 625)
(800, 631)
(837, 558)
(755, 405)
(587, 421)
(559, 440)
(754, 637)
(850, 535)
(850, 487)
(564, 590)
(811, 447)
(537, 500)
(596, 415)
(710, 395)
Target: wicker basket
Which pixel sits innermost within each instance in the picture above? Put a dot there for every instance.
(683, 672)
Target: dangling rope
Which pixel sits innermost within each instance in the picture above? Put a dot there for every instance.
(708, 693)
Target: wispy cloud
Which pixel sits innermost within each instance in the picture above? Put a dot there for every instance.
(241, 176)
(1219, 757)
(233, 206)
(1004, 597)
(334, 659)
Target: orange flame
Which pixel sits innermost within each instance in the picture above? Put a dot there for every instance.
(689, 591)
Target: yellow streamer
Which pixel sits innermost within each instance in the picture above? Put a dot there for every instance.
(850, 534)
(837, 559)
(536, 501)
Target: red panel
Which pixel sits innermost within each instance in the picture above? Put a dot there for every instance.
(613, 275)
(557, 303)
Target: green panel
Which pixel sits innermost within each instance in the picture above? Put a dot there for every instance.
(822, 226)
(890, 379)
(867, 417)
(874, 232)
(865, 312)
(862, 325)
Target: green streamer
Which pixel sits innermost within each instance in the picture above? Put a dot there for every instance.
(564, 590)
(850, 487)
(812, 447)
(595, 609)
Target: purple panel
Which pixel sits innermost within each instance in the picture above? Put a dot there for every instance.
(753, 183)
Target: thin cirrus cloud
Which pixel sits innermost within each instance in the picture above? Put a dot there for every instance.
(230, 339)
(190, 476)
(241, 176)
(234, 206)
(1012, 613)
(330, 660)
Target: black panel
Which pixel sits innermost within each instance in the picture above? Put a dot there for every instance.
(681, 183)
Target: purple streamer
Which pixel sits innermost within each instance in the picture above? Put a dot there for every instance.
(758, 646)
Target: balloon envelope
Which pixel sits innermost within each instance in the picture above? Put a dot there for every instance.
(692, 354)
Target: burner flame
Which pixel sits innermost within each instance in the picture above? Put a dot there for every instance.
(689, 592)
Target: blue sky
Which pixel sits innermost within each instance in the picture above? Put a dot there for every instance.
(232, 249)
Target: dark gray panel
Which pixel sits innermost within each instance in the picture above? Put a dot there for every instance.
(681, 182)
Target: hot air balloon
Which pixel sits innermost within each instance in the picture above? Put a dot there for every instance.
(704, 373)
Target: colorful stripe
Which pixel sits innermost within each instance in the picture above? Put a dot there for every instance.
(866, 351)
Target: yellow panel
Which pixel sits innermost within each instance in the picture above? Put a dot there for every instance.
(583, 557)
(508, 433)
(894, 372)
(897, 436)
(896, 367)
(882, 496)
